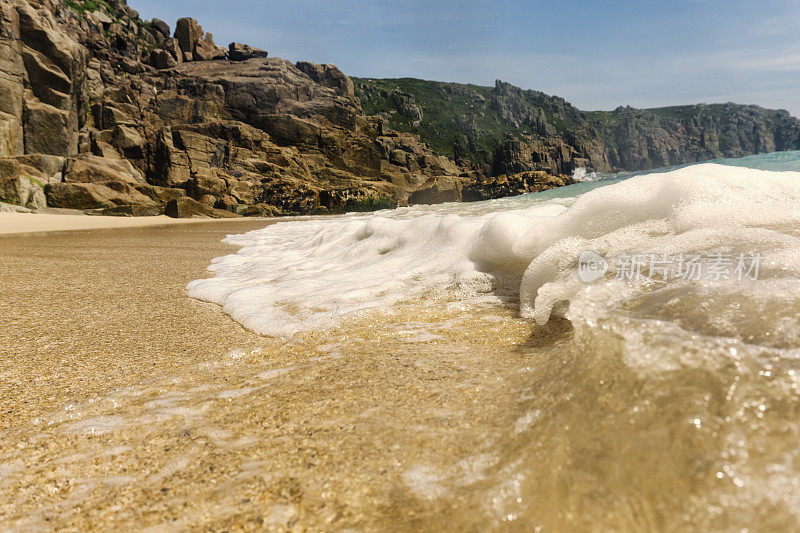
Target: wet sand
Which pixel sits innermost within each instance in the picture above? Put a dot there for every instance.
(126, 404)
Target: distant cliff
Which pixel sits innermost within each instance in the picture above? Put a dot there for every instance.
(505, 129)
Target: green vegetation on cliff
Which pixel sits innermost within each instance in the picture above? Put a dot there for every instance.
(447, 112)
(81, 6)
(508, 129)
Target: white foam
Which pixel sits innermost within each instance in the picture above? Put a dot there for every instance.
(302, 275)
(698, 208)
(581, 174)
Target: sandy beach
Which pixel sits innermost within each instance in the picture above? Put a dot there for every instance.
(12, 223)
(125, 403)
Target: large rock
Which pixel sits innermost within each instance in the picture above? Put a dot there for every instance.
(92, 169)
(50, 166)
(171, 45)
(102, 18)
(162, 195)
(97, 195)
(207, 50)
(243, 52)
(21, 184)
(436, 191)
(162, 59)
(149, 36)
(129, 142)
(203, 51)
(329, 76)
(188, 33)
(161, 27)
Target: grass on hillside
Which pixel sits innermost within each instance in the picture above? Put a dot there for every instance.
(442, 104)
(84, 6)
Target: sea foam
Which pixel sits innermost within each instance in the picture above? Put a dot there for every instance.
(301, 275)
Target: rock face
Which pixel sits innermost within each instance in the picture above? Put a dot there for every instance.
(524, 130)
(138, 118)
(42, 80)
(642, 139)
(514, 184)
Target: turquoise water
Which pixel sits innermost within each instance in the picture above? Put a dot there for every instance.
(778, 161)
(775, 161)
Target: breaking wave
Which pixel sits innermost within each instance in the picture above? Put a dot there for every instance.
(301, 275)
(680, 392)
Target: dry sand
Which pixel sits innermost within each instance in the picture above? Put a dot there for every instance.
(126, 404)
(39, 222)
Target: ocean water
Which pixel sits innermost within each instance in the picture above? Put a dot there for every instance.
(671, 402)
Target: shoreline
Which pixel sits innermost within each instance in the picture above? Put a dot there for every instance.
(33, 223)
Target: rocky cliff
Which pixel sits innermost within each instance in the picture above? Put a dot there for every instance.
(102, 111)
(505, 129)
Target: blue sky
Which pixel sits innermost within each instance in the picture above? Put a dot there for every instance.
(596, 54)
